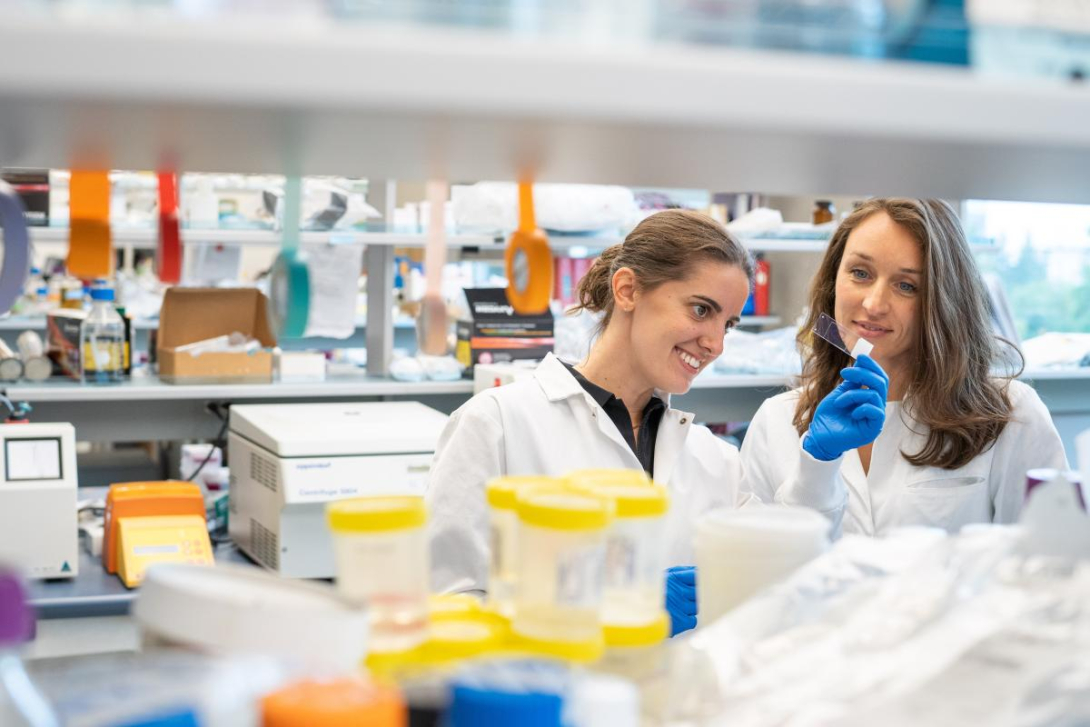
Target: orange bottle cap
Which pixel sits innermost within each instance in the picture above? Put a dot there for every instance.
(340, 703)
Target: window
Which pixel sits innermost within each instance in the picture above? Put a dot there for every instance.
(1041, 254)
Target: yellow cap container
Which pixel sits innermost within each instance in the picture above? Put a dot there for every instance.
(561, 558)
(502, 494)
(340, 703)
(376, 514)
(563, 508)
(381, 550)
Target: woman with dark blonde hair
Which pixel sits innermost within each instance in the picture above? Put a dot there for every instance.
(946, 440)
(667, 295)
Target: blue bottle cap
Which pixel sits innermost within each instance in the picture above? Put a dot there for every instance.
(527, 693)
(102, 294)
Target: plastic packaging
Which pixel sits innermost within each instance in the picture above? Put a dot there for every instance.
(232, 609)
(561, 560)
(21, 703)
(381, 550)
(840, 337)
(600, 700)
(346, 702)
(739, 552)
(102, 340)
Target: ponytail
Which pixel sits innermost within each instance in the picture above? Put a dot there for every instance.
(596, 288)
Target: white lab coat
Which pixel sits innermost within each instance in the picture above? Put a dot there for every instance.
(893, 493)
(550, 425)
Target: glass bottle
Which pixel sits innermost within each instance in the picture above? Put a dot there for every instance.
(102, 340)
(823, 212)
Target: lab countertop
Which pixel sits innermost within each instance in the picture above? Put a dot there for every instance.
(94, 592)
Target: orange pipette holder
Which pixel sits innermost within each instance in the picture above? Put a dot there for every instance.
(529, 261)
(145, 499)
(90, 249)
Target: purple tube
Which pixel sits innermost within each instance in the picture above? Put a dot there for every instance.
(1042, 475)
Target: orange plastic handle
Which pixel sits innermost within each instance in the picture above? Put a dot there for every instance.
(527, 222)
(90, 249)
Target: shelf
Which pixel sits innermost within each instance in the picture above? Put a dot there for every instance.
(37, 323)
(470, 104)
(147, 238)
(149, 388)
(760, 321)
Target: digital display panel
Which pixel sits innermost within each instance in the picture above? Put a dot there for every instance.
(32, 459)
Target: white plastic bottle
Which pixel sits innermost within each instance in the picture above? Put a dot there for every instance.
(21, 704)
(102, 340)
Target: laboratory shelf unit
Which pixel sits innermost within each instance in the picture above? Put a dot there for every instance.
(472, 104)
(147, 238)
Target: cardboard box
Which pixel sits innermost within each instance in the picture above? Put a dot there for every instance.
(496, 333)
(62, 332)
(189, 315)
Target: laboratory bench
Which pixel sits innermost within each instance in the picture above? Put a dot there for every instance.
(95, 593)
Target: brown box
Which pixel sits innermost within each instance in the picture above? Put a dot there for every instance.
(189, 315)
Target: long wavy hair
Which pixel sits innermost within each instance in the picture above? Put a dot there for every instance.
(954, 391)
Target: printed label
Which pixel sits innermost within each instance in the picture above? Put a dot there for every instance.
(579, 577)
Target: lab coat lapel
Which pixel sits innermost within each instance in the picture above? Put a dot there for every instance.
(856, 480)
(673, 430)
(558, 384)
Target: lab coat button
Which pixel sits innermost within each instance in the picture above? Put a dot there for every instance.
(683, 420)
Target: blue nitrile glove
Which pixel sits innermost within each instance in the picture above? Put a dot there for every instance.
(681, 598)
(850, 416)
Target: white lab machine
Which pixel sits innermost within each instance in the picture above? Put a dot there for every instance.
(288, 460)
(39, 533)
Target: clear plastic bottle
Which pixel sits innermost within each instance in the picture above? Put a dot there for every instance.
(21, 704)
(102, 340)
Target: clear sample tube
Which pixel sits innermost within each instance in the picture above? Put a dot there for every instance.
(381, 550)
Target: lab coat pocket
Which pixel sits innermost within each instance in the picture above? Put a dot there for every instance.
(945, 502)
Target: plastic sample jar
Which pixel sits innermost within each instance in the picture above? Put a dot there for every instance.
(634, 587)
(503, 521)
(740, 552)
(342, 703)
(381, 551)
(561, 561)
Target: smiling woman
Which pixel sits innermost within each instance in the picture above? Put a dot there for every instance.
(925, 432)
(668, 294)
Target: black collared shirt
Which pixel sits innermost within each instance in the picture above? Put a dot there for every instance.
(644, 446)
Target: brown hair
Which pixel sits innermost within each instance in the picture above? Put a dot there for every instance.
(665, 246)
(952, 391)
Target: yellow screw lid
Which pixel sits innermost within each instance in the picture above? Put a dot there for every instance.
(645, 635)
(588, 477)
(345, 702)
(582, 652)
(461, 635)
(444, 603)
(564, 509)
(632, 501)
(376, 514)
(503, 492)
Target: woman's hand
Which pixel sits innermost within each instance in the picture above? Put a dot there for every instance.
(852, 415)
